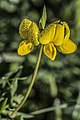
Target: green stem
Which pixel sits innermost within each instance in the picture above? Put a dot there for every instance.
(30, 86)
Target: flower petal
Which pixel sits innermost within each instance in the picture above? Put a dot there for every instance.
(25, 48)
(50, 51)
(24, 28)
(47, 34)
(67, 31)
(67, 47)
(59, 35)
(29, 30)
(33, 34)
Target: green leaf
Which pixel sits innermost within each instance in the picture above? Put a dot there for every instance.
(14, 84)
(20, 115)
(5, 119)
(24, 115)
(17, 99)
(42, 21)
(49, 109)
(3, 106)
(53, 86)
(18, 118)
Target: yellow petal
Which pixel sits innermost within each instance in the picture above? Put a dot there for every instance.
(47, 34)
(50, 51)
(24, 28)
(33, 34)
(59, 35)
(67, 31)
(25, 48)
(67, 47)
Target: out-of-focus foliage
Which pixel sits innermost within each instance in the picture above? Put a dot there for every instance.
(57, 86)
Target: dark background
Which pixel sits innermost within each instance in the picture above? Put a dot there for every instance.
(57, 82)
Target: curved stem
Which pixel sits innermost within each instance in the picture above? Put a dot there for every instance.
(30, 86)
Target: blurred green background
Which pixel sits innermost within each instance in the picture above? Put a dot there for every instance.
(58, 83)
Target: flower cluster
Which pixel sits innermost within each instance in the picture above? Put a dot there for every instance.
(55, 36)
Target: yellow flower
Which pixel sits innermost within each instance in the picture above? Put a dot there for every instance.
(29, 31)
(56, 36)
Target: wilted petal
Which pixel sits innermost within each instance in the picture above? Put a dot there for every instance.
(50, 51)
(59, 35)
(47, 34)
(25, 48)
(33, 34)
(67, 47)
(29, 30)
(24, 28)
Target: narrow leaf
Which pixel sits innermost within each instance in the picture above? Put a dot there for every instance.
(3, 106)
(42, 21)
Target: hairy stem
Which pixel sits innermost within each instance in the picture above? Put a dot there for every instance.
(30, 86)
